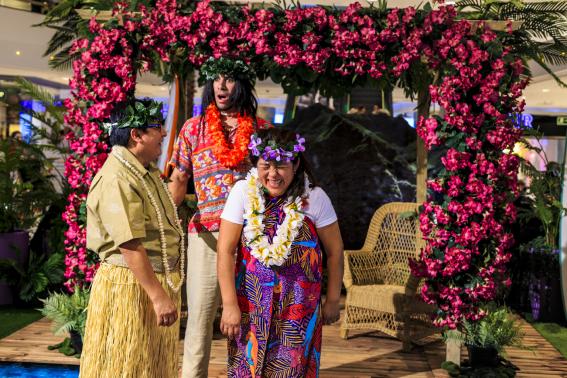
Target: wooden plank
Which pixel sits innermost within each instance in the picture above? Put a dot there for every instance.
(364, 355)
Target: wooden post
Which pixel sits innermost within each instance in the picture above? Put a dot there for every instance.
(421, 179)
(453, 353)
(423, 101)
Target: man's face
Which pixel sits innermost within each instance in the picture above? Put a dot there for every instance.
(151, 142)
(224, 87)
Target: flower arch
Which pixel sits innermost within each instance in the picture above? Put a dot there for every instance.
(467, 68)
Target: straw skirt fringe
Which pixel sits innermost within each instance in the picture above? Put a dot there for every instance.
(122, 338)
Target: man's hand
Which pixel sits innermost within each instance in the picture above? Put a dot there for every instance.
(165, 309)
(137, 260)
(178, 185)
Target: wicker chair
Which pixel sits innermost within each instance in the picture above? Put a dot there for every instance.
(381, 292)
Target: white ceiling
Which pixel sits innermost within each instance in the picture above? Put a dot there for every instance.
(23, 45)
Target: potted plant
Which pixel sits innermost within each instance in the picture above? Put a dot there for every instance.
(25, 194)
(544, 289)
(35, 276)
(28, 183)
(543, 251)
(486, 338)
(68, 312)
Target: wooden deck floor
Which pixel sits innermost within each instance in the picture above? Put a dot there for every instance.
(364, 355)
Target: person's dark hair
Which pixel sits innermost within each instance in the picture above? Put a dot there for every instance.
(282, 137)
(243, 99)
(120, 136)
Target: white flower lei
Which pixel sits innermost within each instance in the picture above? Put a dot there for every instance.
(274, 254)
(163, 243)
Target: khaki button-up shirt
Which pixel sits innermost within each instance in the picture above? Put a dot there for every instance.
(119, 210)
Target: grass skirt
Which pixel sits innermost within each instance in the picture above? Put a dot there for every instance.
(122, 338)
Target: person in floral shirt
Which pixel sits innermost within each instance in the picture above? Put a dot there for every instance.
(213, 150)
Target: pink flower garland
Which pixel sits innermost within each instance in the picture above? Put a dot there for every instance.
(464, 262)
(94, 94)
(465, 218)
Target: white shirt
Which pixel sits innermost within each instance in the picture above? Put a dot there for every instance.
(319, 208)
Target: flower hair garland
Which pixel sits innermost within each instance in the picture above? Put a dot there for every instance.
(272, 151)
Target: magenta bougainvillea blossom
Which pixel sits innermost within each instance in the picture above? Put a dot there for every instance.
(478, 84)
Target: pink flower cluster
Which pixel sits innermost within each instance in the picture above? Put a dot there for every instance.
(104, 75)
(307, 37)
(465, 218)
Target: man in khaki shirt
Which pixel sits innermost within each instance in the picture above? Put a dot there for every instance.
(119, 210)
(132, 327)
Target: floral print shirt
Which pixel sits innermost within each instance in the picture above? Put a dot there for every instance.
(193, 155)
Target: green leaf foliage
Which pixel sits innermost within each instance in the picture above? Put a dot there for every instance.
(36, 276)
(498, 329)
(68, 312)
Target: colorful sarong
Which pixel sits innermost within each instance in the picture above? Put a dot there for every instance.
(281, 312)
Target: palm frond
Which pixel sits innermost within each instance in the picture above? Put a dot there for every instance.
(53, 117)
(473, 4)
(34, 91)
(63, 60)
(39, 94)
(541, 61)
(64, 34)
(545, 28)
(546, 7)
(60, 11)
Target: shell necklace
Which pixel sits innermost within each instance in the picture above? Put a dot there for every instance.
(163, 243)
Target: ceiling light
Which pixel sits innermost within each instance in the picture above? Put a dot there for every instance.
(545, 90)
(18, 52)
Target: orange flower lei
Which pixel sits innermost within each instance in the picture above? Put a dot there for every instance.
(229, 157)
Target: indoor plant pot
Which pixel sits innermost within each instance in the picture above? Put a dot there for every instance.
(76, 341)
(482, 357)
(544, 287)
(487, 337)
(13, 246)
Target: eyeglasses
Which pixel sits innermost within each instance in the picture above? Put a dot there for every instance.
(159, 126)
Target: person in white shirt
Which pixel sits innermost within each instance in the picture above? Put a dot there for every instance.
(276, 221)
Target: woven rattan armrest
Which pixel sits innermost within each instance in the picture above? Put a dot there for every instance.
(363, 267)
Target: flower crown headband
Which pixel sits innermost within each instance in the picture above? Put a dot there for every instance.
(272, 151)
(138, 115)
(236, 69)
